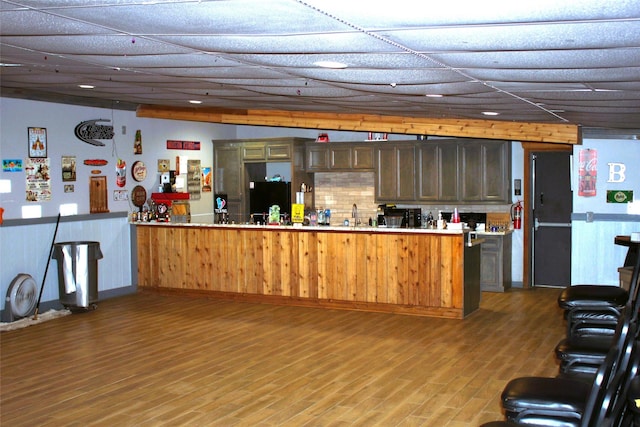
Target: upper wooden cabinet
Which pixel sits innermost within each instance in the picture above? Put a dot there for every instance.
(395, 172)
(261, 151)
(339, 156)
(437, 172)
(485, 171)
(469, 171)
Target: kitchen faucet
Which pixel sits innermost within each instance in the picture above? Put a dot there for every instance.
(354, 215)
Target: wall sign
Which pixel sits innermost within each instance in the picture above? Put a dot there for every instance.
(38, 188)
(587, 172)
(12, 165)
(619, 196)
(89, 131)
(183, 145)
(68, 168)
(37, 140)
(616, 172)
(193, 179)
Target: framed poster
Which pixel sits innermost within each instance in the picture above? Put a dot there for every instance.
(37, 140)
(68, 168)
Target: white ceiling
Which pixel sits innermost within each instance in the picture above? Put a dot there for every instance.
(549, 61)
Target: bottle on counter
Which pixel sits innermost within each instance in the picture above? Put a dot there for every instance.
(440, 224)
(455, 218)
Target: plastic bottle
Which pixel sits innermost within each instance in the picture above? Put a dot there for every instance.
(440, 221)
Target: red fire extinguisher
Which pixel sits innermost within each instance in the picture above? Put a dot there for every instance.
(516, 215)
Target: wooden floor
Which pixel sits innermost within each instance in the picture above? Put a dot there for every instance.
(148, 360)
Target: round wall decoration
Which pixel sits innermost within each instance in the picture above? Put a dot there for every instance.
(139, 171)
(138, 196)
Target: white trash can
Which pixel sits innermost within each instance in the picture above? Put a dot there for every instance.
(77, 272)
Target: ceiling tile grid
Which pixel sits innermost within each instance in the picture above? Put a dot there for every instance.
(574, 62)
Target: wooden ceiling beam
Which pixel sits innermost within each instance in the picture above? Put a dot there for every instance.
(486, 129)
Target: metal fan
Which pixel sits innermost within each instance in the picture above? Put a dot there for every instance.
(22, 297)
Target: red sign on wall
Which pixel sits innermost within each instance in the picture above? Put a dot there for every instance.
(183, 145)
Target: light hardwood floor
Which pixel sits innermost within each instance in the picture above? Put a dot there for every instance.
(148, 360)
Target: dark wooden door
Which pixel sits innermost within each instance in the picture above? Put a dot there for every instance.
(551, 206)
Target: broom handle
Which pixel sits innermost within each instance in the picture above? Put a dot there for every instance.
(35, 316)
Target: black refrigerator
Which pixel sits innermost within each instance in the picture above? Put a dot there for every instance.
(263, 195)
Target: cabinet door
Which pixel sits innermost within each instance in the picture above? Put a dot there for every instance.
(491, 263)
(362, 157)
(437, 171)
(471, 159)
(449, 172)
(253, 152)
(386, 179)
(227, 176)
(317, 157)
(279, 151)
(395, 178)
(428, 176)
(405, 172)
(340, 157)
(496, 177)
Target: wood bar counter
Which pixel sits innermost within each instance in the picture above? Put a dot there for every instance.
(409, 271)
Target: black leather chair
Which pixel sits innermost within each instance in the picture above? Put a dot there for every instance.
(594, 310)
(615, 406)
(566, 401)
(582, 353)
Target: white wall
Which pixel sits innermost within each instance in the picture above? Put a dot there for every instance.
(60, 121)
(25, 244)
(595, 257)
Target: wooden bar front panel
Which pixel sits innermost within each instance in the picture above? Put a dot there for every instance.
(416, 273)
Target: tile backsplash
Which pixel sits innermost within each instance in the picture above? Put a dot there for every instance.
(339, 191)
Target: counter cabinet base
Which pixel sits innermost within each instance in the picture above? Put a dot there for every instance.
(397, 272)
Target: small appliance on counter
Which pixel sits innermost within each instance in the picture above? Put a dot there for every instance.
(411, 217)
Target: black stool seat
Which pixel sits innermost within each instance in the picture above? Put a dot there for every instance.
(548, 395)
(578, 355)
(592, 296)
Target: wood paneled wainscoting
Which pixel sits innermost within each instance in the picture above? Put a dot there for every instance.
(411, 272)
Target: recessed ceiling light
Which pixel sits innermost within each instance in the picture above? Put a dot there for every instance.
(193, 101)
(330, 64)
(490, 113)
(86, 86)
(433, 95)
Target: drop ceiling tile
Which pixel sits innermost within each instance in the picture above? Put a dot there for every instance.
(519, 37)
(588, 58)
(290, 44)
(276, 17)
(409, 13)
(110, 44)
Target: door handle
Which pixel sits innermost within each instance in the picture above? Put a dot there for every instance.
(552, 224)
(541, 199)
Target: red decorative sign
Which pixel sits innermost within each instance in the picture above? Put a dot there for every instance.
(587, 172)
(183, 145)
